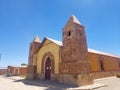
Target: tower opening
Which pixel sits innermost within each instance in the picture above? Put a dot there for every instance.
(69, 34)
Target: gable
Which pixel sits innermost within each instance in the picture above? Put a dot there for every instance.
(48, 46)
(48, 42)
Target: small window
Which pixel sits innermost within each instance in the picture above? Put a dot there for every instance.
(101, 63)
(69, 34)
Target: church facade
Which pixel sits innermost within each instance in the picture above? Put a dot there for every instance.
(70, 61)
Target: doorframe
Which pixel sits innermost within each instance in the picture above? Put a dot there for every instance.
(49, 67)
(45, 56)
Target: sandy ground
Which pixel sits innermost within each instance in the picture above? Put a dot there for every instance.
(15, 84)
(19, 83)
(112, 83)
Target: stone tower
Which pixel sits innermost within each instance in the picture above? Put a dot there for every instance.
(74, 41)
(34, 46)
(75, 67)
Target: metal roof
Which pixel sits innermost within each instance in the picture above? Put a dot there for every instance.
(89, 50)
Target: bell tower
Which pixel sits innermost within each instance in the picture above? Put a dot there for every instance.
(34, 46)
(74, 41)
(31, 69)
(75, 67)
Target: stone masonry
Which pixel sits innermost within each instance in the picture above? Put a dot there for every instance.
(31, 69)
(75, 67)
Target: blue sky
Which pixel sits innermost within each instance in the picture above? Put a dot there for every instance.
(22, 20)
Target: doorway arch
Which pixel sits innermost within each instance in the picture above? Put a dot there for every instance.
(48, 68)
(48, 65)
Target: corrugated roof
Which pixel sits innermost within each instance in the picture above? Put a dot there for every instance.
(103, 53)
(89, 50)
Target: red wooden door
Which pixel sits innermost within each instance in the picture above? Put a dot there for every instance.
(47, 68)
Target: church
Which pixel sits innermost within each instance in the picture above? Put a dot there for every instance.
(70, 61)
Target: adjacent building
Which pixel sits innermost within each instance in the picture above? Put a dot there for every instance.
(3, 70)
(16, 70)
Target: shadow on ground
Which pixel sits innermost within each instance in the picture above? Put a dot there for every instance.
(50, 85)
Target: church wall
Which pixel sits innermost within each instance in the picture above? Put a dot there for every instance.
(22, 71)
(48, 46)
(35, 59)
(94, 62)
(110, 65)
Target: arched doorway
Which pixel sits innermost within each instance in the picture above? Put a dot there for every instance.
(48, 68)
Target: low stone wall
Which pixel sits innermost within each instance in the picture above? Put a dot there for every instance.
(97, 75)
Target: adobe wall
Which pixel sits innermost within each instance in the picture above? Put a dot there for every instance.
(10, 70)
(110, 65)
(22, 71)
(3, 71)
(94, 62)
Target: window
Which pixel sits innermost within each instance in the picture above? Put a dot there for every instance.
(69, 34)
(101, 63)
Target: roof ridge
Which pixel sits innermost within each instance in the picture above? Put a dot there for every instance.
(89, 49)
(55, 41)
(102, 52)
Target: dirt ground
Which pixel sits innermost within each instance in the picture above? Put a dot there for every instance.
(19, 83)
(112, 83)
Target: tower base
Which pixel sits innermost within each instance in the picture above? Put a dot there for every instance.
(76, 80)
(31, 72)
